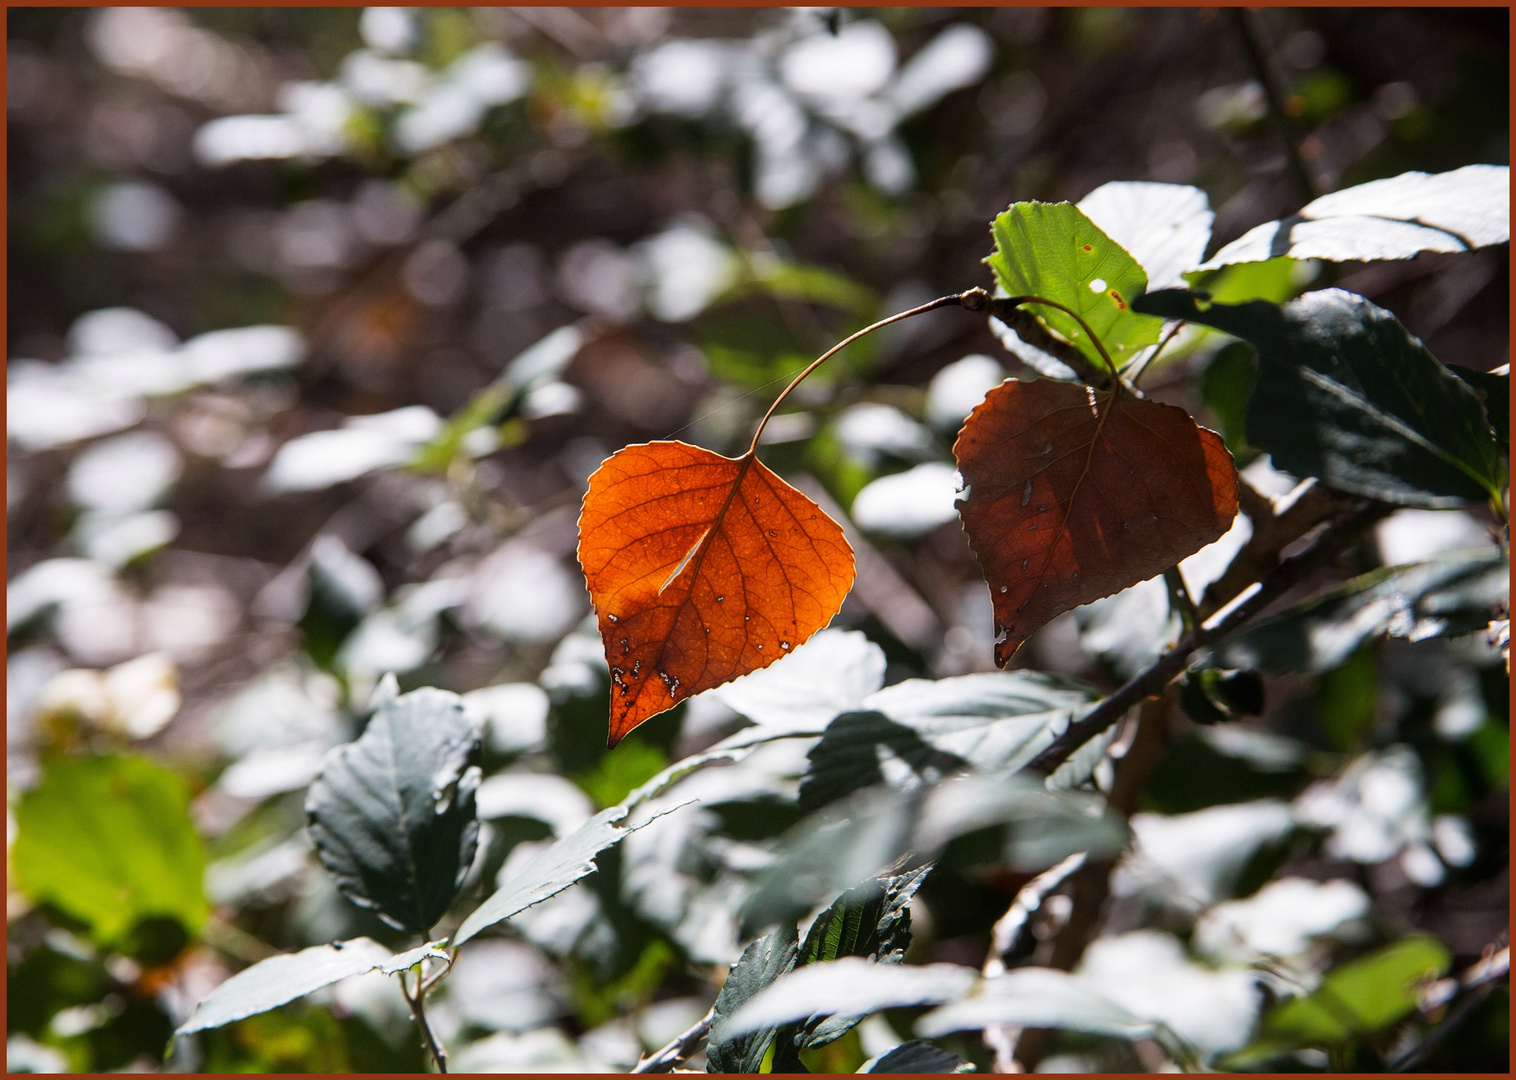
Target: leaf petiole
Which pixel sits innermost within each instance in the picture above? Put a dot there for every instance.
(1016, 301)
(973, 299)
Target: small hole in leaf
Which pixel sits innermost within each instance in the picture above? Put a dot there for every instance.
(1097, 285)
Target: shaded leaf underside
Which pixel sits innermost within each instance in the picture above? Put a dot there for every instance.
(1072, 494)
(702, 568)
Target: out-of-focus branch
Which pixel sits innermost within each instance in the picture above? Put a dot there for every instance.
(1469, 990)
(678, 1048)
(1276, 525)
(1090, 883)
(1242, 27)
(1002, 1038)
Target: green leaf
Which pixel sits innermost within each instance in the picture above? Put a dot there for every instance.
(1052, 250)
(1449, 595)
(1346, 394)
(916, 1056)
(392, 814)
(761, 964)
(995, 721)
(1273, 279)
(1395, 218)
(109, 841)
(872, 920)
(808, 284)
(280, 979)
(1225, 387)
(1036, 997)
(1360, 997)
(1165, 227)
(852, 986)
(848, 755)
(549, 873)
(1494, 391)
(1216, 695)
(850, 839)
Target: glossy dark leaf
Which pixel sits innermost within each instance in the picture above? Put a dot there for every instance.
(872, 920)
(392, 814)
(916, 1056)
(1346, 394)
(1495, 392)
(761, 964)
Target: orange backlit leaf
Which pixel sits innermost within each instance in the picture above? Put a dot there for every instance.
(1072, 494)
(702, 568)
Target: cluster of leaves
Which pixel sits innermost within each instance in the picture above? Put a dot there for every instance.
(393, 815)
(1227, 893)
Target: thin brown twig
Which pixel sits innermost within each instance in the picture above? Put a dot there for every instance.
(678, 1048)
(972, 300)
(1029, 330)
(1344, 530)
(417, 1004)
(1239, 20)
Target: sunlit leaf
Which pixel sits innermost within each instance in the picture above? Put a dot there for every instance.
(1452, 594)
(109, 841)
(1053, 251)
(1395, 218)
(702, 568)
(852, 986)
(1165, 227)
(549, 873)
(280, 979)
(1036, 997)
(1072, 494)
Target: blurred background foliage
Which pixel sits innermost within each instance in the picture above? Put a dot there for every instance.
(320, 318)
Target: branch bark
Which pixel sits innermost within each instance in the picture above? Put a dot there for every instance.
(1345, 529)
(678, 1048)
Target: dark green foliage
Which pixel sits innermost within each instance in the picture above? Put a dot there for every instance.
(1495, 392)
(916, 1056)
(1213, 695)
(1346, 394)
(847, 757)
(762, 962)
(871, 920)
(392, 814)
(1225, 386)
